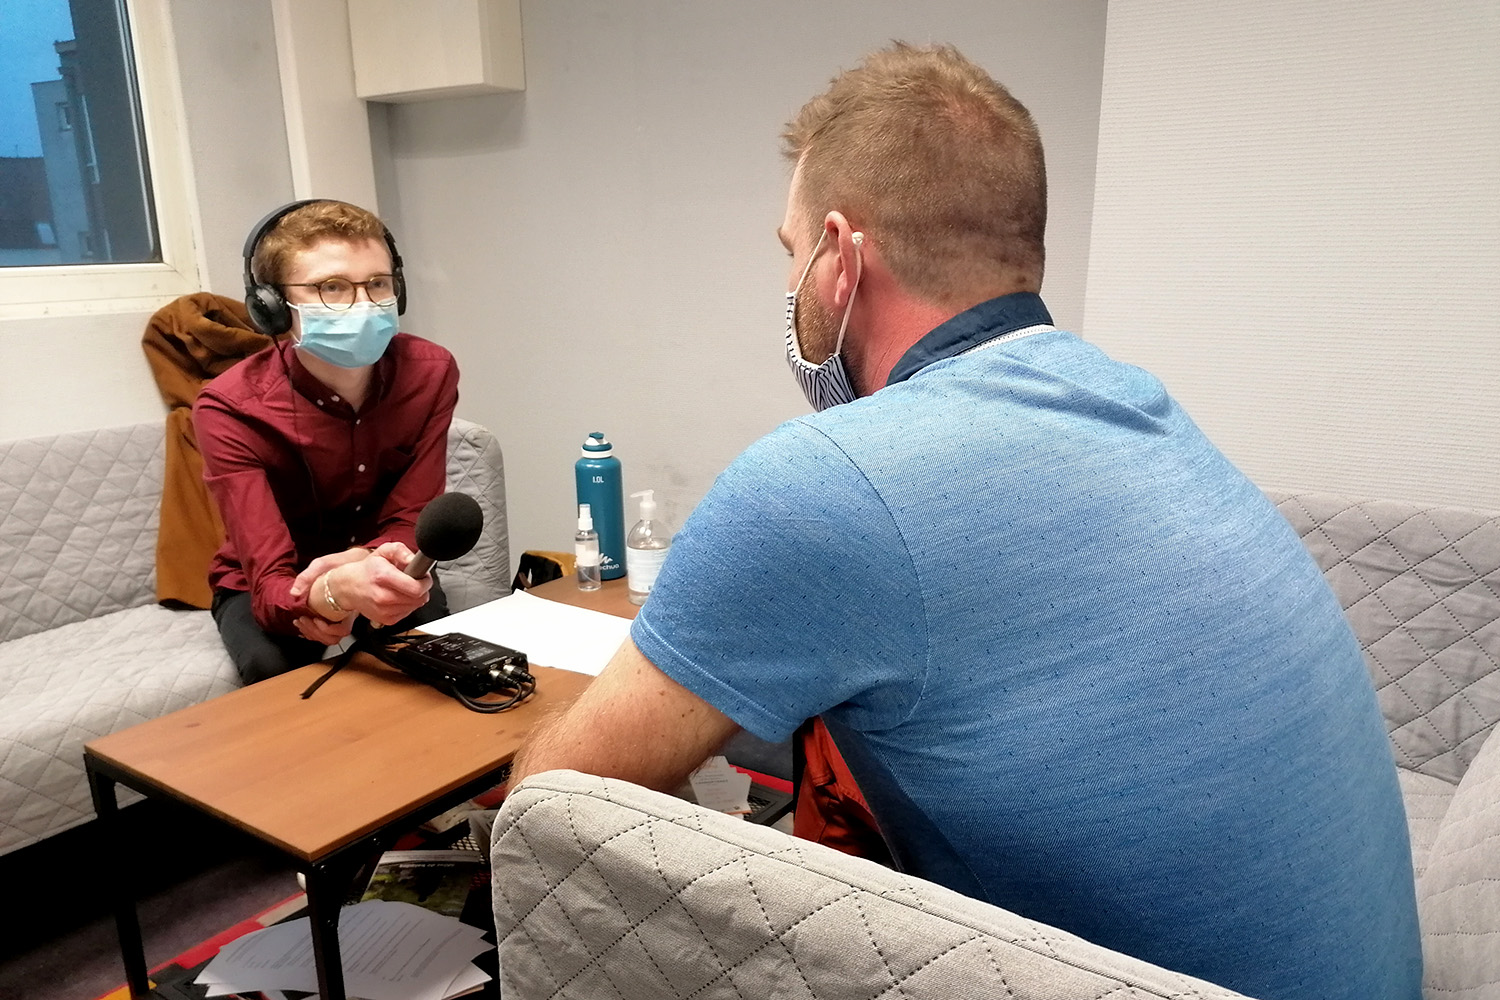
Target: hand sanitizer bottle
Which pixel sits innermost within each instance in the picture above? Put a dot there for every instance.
(586, 550)
(645, 549)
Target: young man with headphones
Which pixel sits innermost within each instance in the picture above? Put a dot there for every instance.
(321, 450)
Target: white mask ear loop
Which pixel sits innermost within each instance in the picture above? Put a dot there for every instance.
(859, 270)
(294, 332)
(811, 257)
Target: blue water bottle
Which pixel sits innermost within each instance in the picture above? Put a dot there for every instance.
(597, 474)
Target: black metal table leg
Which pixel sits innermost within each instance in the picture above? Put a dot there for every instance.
(328, 879)
(325, 897)
(127, 923)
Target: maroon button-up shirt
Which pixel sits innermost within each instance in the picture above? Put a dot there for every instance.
(296, 473)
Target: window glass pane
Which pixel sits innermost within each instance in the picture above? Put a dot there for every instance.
(74, 183)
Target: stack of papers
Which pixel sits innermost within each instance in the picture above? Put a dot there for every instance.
(549, 633)
(390, 951)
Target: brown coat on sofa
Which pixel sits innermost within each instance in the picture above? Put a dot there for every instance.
(187, 342)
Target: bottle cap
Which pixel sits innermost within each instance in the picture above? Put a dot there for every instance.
(585, 518)
(596, 445)
(648, 504)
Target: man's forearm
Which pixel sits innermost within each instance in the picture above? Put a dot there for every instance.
(563, 741)
(633, 722)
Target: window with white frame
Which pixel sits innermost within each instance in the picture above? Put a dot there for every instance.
(95, 195)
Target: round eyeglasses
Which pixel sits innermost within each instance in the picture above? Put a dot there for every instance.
(340, 293)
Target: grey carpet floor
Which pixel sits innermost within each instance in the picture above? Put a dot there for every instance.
(196, 878)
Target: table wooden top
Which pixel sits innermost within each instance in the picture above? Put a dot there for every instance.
(612, 598)
(371, 746)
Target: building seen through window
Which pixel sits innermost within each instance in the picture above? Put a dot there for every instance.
(74, 180)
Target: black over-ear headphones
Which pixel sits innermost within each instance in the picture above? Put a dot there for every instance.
(267, 305)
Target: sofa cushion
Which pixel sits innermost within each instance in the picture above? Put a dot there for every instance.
(1459, 896)
(1426, 799)
(78, 519)
(605, 889)
(70, 684)
(1420, 585)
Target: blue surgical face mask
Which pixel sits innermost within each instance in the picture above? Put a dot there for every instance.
(349, 338)
(826, 384)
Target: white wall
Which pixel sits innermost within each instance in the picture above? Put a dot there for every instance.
(599, 250)
(82, 372)
(1297, 226)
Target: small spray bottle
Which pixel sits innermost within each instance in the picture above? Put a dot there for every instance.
(586, 550)
(645, 549)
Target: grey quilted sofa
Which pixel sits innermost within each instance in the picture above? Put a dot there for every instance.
(84, 648)
(605, 889)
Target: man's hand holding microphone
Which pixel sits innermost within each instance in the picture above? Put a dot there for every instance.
(389, 582)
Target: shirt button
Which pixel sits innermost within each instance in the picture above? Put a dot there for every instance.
(361, 468)
(335, 399)
(356, 420)
(351, 538)
(320, 402)
(358, 507)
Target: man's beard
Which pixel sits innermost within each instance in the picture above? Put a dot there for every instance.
(817, 328)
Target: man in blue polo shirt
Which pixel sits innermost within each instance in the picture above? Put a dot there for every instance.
(1078, 664)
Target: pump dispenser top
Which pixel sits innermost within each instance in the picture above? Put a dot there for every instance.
(648, 504)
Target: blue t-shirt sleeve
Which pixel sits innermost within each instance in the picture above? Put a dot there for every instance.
(789, 593)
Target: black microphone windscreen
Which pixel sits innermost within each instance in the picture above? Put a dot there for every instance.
(449, 526)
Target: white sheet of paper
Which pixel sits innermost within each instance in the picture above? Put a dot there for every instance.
(717, 785)
(549, 633)
(469, 977)
(390, 951)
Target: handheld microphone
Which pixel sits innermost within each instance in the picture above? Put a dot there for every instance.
(447, 528)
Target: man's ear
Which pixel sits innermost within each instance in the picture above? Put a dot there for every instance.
(850, 244)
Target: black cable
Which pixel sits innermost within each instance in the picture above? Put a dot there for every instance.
(524, 689)
(338, 665)
(367, 639)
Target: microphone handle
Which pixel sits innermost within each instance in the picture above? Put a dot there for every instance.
(419, 565)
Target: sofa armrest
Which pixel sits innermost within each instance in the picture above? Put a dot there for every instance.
(1420, 585)
(1458, 897)
(476, 467)
(603, 888)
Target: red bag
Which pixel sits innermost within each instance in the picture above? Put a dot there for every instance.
(830, 808)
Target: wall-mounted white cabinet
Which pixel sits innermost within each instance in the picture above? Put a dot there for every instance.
(406, 51)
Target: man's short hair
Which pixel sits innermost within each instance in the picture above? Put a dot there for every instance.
(939, 165)
(305, 227)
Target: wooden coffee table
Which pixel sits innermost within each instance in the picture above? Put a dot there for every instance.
(330, 780)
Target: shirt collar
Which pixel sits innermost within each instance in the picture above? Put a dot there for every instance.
(306, 383)
(969, 329)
